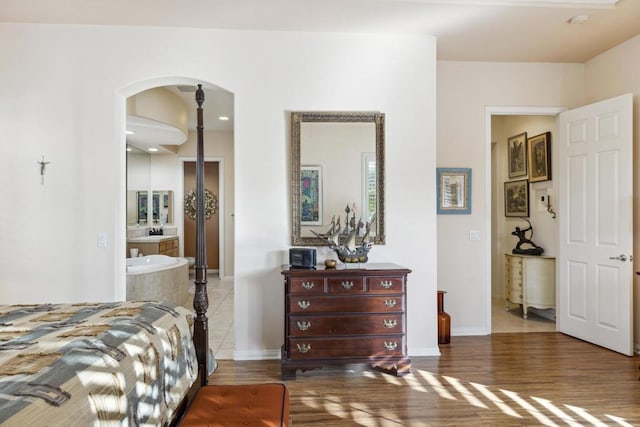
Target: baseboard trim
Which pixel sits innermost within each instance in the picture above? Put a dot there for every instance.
(424, 351)
(462, 332)
(256, 355)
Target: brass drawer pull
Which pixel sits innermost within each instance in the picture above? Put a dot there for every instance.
(391, 345)
(390, 323)
(304, 325)
(303, 348)
(347, 285)
(308, 285)
(386, 284)
(390, 303)
(304, 304)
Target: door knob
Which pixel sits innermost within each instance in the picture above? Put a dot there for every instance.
(621, 257)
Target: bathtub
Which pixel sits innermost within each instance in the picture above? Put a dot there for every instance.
(150, 263)
(159, 277)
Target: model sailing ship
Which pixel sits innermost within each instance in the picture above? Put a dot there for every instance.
(349, 251)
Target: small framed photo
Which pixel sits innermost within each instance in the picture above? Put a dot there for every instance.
(517, 155)
(516, 198)
(540, 157)
(311, 195)
(454, 190)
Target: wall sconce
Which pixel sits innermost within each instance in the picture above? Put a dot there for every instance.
(549, 208)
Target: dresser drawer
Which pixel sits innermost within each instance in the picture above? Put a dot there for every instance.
(332, 348)
(346, 284)
(345, 315)
(389, 285)
(306, 326)
(306, 285)
(346, 304)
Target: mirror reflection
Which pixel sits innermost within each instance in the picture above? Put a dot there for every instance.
(162, 207)
(337, 175)
(143, 209)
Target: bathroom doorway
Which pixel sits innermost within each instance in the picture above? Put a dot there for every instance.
(165, 159)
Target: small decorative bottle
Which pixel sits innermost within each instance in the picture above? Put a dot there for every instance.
(444, 321)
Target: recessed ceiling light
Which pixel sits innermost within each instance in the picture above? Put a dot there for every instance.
(223, 118)
(129, 149)
(578, 19)
(153, 150)
(130, 132)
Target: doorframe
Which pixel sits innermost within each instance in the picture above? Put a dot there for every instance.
(489, 112)
(120, 231)
(221, 202)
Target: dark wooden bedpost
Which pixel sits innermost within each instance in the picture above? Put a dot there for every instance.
(200, 299)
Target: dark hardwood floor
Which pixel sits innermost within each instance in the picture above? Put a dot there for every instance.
(502, 379)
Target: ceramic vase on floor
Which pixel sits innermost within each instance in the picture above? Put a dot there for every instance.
(444, 321)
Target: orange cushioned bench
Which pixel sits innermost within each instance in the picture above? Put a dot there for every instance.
(239, 405)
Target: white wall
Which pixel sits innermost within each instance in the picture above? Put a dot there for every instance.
(63, 96)
(465, 90)
(614, 73)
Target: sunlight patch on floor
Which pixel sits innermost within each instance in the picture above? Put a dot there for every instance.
(510, 403)
(556, 411)
(618, 420)
(586, 415)
(529, 408)
(334, 406)
(469, 396)
(492, 397)
(436, 385)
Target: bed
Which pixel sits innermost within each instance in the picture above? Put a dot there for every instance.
(85, 364)
(125, 363)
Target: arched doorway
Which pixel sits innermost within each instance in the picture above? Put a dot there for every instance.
(165, 173)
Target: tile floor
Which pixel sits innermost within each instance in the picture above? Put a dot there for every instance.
(220, 314)
(512, 321)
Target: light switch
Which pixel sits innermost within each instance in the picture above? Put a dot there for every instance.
(102, 240)
(474, 235)
(542, 200)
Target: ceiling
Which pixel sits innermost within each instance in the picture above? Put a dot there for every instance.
(466, 30)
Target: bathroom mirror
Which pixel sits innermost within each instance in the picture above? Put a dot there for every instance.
(144, 205)
(138, 182)
(162, 207)
(337, 161)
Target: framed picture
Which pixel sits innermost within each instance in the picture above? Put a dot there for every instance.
(454, 190)
(540, 157)
(311, 195)
(516, 198)
(517, 155)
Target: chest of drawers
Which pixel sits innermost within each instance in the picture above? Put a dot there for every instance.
(345, 315)
(530, 281)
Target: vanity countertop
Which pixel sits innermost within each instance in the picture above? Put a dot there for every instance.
(151, 239)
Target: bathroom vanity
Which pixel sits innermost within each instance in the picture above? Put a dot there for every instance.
(152, 245)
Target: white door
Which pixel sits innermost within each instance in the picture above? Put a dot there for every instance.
(595, 191)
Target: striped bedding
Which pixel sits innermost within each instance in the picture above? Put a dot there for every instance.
(124, 364)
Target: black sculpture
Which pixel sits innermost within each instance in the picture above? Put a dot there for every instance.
(522, 240)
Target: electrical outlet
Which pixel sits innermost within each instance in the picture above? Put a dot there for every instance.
(102, 240)
(474, 235)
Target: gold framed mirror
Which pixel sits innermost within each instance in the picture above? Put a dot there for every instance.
(337, 174)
